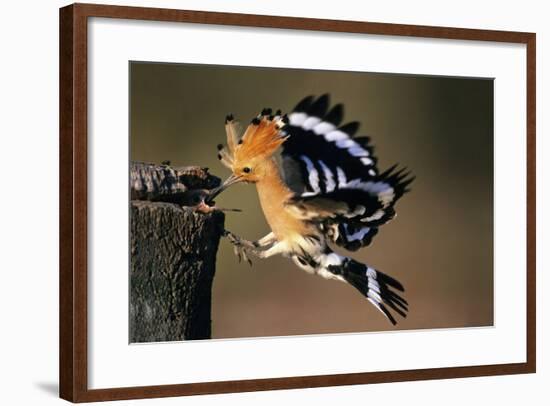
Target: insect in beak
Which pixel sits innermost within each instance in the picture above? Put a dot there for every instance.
(228, 182)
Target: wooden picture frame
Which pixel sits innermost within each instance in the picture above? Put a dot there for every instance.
(74, 201)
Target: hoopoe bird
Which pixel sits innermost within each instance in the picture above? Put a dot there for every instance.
(324, 189)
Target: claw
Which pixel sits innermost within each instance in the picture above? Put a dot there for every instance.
(237, 252)
(238, 247)
(233, 239)
(245, 257)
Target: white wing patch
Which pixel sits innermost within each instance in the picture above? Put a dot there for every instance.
(367, 161)
(310, 122)
(313, 175)
(353, 148)
(329, 177)
(342, 179)
(297, 119)
(323, 128)
(382, 190)
(358, 235)
(335, 136)
(331, 134)
(376, 216)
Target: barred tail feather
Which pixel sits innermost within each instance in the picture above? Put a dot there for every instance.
(377, 287)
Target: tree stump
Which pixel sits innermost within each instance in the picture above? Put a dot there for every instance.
(172, 254)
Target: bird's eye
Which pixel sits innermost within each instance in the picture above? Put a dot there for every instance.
(246, 169)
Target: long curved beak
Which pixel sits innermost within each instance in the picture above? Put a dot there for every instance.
(228, 182)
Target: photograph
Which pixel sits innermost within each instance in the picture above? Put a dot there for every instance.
(258, 200)
(270, 202)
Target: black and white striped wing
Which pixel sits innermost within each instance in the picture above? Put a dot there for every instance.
(334, 174)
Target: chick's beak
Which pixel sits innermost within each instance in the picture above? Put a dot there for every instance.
(228, 182)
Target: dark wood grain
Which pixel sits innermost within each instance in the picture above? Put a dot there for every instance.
(80, 196)
(298, 23)
(73, 200)
(531, 173)
(66, 298)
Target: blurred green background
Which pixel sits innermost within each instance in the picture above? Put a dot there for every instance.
(440, 245)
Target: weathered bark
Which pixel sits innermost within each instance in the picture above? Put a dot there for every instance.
(173, 255)
(168, 184)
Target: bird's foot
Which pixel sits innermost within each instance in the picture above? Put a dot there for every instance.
(240, 246)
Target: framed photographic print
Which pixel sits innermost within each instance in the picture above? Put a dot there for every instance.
(256, 202)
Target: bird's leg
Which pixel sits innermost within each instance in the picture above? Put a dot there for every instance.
(264, 252)
(276, 248)
(244, 247)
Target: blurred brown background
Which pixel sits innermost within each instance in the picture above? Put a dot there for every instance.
(440, 245)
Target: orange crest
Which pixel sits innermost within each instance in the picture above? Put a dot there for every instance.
(262, 138)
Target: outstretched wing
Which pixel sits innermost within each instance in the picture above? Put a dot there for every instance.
(334, 174)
